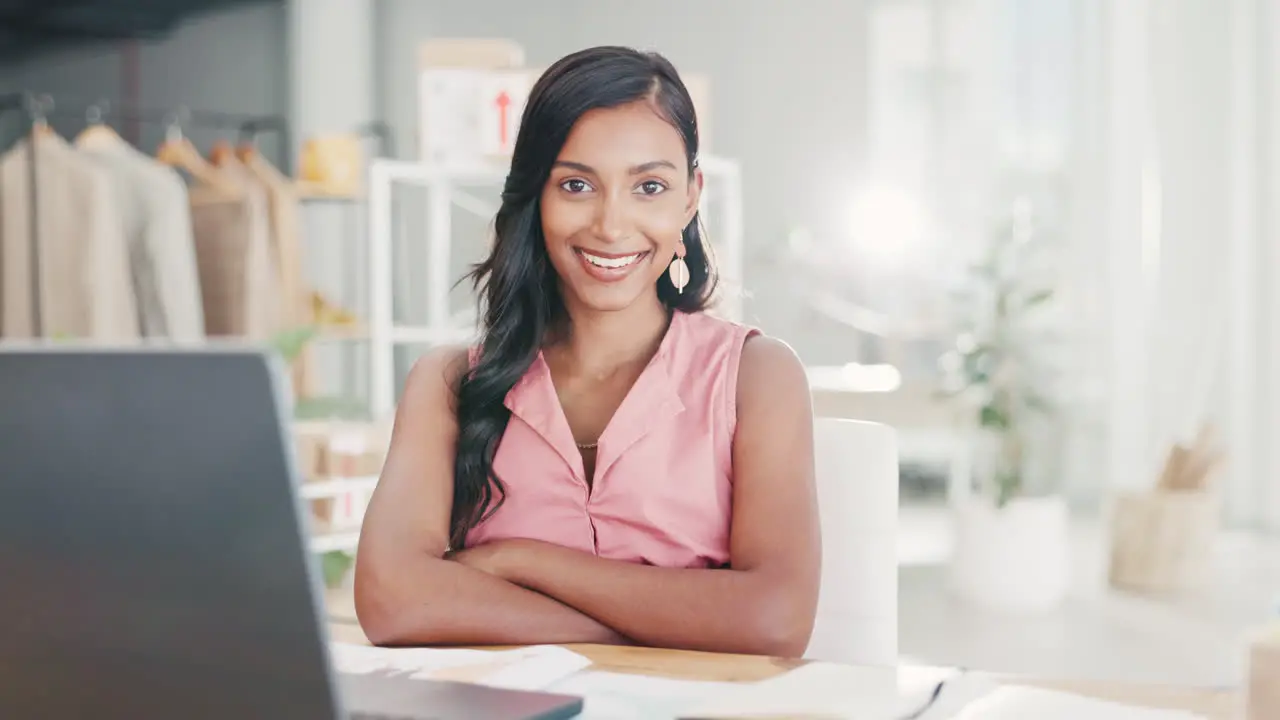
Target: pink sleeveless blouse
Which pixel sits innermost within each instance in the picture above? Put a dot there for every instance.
(664, 467)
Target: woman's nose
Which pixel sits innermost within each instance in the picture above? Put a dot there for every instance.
(611, 223)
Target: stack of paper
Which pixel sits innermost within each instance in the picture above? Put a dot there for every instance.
(529, 668)
(1017, 703)
(814, 691)
(618, 696)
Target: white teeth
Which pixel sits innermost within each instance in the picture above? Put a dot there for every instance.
(610, 263)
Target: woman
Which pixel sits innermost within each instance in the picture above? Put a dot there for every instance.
(609, 464)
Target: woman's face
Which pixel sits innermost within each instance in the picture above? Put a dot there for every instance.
(613, 209)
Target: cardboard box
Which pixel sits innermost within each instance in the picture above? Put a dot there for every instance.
(472, 93)
(452, 102)
(470, 53)
(337, 451)
(333, 450)
(1263, 689)
(310, 446)
(339, 514)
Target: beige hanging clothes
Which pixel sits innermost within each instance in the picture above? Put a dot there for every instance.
(284, 200)
(86, 287)
(157, 222)
(296, 312)
(238, 279)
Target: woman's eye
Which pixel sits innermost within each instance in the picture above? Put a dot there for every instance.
(651, 187)
(575, 186)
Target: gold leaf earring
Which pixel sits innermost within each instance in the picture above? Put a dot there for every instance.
(679, 270)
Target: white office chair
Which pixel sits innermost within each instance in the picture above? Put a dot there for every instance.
(857, 476)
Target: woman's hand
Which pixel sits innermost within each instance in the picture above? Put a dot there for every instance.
(511, 560)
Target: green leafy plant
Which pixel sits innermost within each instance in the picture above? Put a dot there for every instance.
(997, 366)
(291, 342)
(334, 566)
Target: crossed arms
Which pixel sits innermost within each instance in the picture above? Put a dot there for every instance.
(408, 592)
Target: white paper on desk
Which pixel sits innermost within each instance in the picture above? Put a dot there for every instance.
(1016, 703)
(820, 690)
(618, 696)
(530, 668)
(815, 690)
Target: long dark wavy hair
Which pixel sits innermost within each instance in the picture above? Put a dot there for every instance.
(517, 285)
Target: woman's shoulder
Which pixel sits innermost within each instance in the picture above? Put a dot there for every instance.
(749, 341)
(438, 370)
(769, 356)
(705, 327)
(757, 356)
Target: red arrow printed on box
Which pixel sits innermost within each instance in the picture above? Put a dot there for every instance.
(503, 101)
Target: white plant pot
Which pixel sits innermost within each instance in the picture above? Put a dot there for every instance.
(1012, 559)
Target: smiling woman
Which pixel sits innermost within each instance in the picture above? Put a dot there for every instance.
(609, 463)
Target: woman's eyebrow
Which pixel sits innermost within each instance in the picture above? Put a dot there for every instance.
(651, 166)
(635, 170)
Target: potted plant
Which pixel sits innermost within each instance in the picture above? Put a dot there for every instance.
(1011, 548)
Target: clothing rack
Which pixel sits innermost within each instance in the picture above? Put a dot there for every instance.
(36, 109)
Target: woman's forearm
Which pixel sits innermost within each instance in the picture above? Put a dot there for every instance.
(715, 610)
(438, 602)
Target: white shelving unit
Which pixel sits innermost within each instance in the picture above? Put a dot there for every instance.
(345, 541)
(347, 538)
(446, 189)
(337, 488)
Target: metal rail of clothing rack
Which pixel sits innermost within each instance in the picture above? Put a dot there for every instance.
(38, 108)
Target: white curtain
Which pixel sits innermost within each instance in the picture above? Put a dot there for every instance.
(1174, 209)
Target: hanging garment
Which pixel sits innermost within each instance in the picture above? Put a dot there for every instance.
(85, 285)
(233, 253)
(284, 201)
(275, 308)
(156, 213)
(296, 311)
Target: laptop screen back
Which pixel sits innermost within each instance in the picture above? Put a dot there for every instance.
(150, 541)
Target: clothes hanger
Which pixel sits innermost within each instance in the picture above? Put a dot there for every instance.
(179, 152)
(40, 107)
(247, 147)
(97, 134)
(221, 153)
(247, 151)
(266, 171)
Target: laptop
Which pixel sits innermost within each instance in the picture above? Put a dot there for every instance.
(153, 559)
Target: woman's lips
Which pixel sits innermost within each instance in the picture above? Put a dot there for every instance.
(609, 267)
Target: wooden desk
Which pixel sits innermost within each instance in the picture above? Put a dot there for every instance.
(1213, 704)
